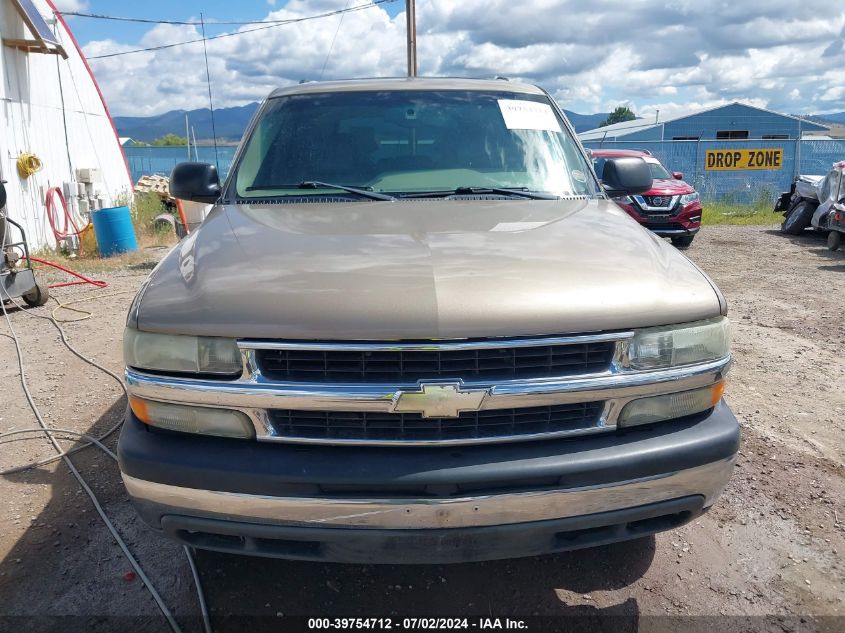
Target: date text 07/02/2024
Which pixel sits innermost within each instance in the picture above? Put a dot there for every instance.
(408, 624)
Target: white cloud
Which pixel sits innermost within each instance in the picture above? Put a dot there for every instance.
(666, 54)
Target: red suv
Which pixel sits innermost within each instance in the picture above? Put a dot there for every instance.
(671, 208)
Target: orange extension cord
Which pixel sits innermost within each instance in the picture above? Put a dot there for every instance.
(63, 234)
(83, 279)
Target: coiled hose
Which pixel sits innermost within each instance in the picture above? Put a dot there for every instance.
(28, 164)
(68, 222)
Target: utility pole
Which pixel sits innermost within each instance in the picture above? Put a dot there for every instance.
(411, 23)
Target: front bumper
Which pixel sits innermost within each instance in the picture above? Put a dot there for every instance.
(671, 230)
(427, 504)
(678, 222)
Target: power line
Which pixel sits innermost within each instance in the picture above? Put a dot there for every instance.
(331, 48)
(210, 102)
(361, 7)
(115, 18)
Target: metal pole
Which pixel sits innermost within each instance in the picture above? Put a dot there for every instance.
(411, 29)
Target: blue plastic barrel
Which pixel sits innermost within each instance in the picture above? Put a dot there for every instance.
(114, 231)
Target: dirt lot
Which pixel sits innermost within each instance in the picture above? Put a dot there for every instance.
(773, 546)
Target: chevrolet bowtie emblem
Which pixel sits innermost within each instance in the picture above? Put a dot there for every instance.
(439, 400)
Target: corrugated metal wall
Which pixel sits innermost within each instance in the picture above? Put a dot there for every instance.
(741, 186)
(51, 108)
(736, 117)
(706, 125)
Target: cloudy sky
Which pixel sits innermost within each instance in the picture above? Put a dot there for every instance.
(671, 55)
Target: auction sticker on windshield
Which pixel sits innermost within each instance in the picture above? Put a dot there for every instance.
(528, 115)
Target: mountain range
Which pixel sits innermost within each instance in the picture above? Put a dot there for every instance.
(230, 123)
(836, 117)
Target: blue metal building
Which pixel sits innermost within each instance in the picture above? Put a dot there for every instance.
(693, 143)
(735, 121)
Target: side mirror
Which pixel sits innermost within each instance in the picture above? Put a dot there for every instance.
(2, 194)
(626, 177)
(197, 182)
(678, 175)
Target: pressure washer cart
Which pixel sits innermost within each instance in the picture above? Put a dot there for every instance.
(17, 278)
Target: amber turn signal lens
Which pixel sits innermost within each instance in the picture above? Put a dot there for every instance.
(671, 406)
(140, 409)
(188, 418)
(717, 393)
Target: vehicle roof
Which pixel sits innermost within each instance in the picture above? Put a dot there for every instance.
(608, 153)
(406, 83)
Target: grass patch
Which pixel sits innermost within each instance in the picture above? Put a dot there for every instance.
(152, 243)
(144, 210)
(731, 213)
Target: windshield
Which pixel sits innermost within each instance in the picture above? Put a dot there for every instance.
(658, 171)
(410, 142)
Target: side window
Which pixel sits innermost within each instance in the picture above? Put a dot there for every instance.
(829, 186)
(724, 135)
(254, 158)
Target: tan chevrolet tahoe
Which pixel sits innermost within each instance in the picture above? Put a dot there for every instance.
(416, 329)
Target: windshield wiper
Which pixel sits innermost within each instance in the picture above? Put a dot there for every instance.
(317, 184)
(522, 192)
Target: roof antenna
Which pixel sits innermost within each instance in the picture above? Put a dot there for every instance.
(210, 102)
(411, 36)
(339, 24)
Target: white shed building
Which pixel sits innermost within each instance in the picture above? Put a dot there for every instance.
(52, 108)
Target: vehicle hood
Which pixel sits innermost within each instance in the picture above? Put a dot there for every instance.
(423, 269)
(669, 187)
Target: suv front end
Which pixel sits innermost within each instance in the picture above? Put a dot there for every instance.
(671, 208)
(673, 216)
(444, 357)
(630, 438)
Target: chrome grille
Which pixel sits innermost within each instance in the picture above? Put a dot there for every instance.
(391, 365)
(404, 427)
(658, 201)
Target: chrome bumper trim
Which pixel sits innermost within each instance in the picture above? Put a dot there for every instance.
(255, 395)
(708, 480)
(674, 231)
(428, 346)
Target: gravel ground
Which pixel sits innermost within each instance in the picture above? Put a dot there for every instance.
(773, 545)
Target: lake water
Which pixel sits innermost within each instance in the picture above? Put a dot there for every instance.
(161, 160)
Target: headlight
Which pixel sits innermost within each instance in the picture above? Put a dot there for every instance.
(182, 354)
(689, 198)
(625, 199)
(671, 346)
(671, 406)
(192, 419)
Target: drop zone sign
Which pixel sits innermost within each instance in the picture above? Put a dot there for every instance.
(738, 159)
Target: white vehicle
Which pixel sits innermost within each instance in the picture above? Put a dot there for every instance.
(810, 202)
